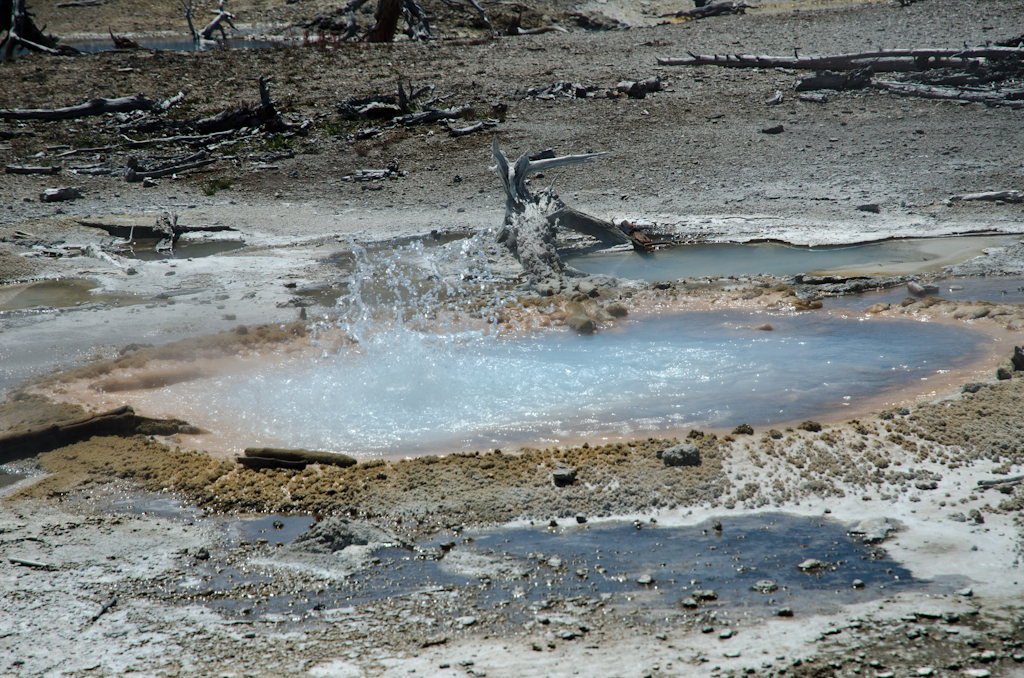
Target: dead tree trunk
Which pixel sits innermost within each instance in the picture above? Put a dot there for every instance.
(21, 30)
(387, 15)
(532, 221)
(223, 16)
(418, 27)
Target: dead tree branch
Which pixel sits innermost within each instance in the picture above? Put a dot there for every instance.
(91, 107)
(1008, 98)
(880, 62)
(223, 16)
(187, 6)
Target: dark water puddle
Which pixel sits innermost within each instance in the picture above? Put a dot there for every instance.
(751, 565)
(889, 257)
(146, 250)
(995, 290)
(64, 293)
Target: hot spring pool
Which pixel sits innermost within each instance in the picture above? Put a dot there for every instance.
(408, 393)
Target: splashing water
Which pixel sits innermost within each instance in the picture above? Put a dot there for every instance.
(431, 373)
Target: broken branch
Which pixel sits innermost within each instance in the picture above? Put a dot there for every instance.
(89, 108)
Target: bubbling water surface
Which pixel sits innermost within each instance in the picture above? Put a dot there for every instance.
(426, 370)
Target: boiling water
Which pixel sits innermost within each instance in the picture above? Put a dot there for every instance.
(407, 392)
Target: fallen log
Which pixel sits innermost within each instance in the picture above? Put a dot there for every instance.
(303, 456)
(133, 176)
(432, 115)
(1009, 480)
(1007, 98)
(1005, 196)
(602, 230)
(880, 62)
(89, 108)
(858, 79)
(711, 9)
(21, 444)
(28, 169)
(257, 463)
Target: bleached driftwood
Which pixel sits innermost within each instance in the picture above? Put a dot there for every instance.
(896, 60)
(223, 17)
(1005, 196)
(91, 107)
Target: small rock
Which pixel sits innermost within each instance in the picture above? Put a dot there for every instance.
(582, 323)
(925, 671)
(869, 207)
(877, 308)
(725, 634)
(810, 564)
(580, 519)
(685, 454)
(765, 586)
(150, 182)
(872, 530)
(784, 612)
(617, 310)
(966, 593)
(977, 673)
(765, 327)
(705, 594)
(645, 580)
(61, 194)
(731, 654)
(465, 621)
(975, 515)
(926, 485)
(708, 629)
(434, 640)
(858, 583)
(554, 563)
(688, 603)
(775, 129)
(563, 476)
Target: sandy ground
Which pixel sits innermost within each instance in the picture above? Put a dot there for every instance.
(690, 161)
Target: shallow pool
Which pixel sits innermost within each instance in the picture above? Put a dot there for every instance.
(405, 392)
(889, 257)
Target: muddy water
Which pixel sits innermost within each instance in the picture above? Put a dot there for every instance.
(60, 294)
(889, 257)
(750, 564)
